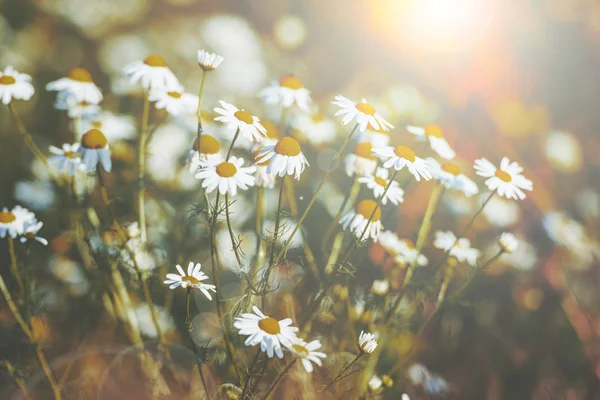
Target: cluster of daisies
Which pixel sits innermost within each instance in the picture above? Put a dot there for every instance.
(20, 223)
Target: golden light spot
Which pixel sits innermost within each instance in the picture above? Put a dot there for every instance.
(288, 146)
(380, 181)
(244, 116)
(190, 279)
(262, 164)
(434, 131)
(208, 145)
(154, 60)
(365, 150)
(405, 152)
(365, 108)
(80, 75)
(366, 208)
(301, 350)
(226, 169)
(175, 95)
(503, 175)
(272, 129)
(94, 139)
(290, 82)
(7, 80)
(317, 117)
(452, 169)
(269, 325)
(6, 217)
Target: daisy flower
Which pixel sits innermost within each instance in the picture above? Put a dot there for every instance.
(361, 161)
(379, 182)
(402, 156)
(114, 126)
(13, 222)
(285, 157)
(451, 177)
(31, 228)
(267, 331)
(458, 248)
(209, 150)
(287, 92)
(76, 109)
(408, 255)
(307, 353)
(367, 342)
(435, 136)
(15, 85)
(358, 219)
(508, 242)
(193, 279)
(66, 159)
(226, 175)
(208, 61)
(79, 84)
(175, 102)
(316, 128)
(94, 149)
(263, 177)
(363, 112)
(153, 73)
(249, 125)
(507, 179)
(375, 384)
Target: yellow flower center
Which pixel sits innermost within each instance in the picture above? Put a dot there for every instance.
(244, 116)
(69, 154)
(30, 235)
(7, 80)
(365, 108)
(318, 117)
(80, 75)
(380, 181)
(366, 208)
(434, 131)
(269, 325)
(6, 217)
(175, 95)
(190, 279)
(226, 169)
(272, 130)
(301, 350)
(503, 175)
(262, 164)
(405, 152)
(290, 82)
(452, 169)
(287, 146)
(97, 124)
(365, 150)
(154, 60)
(94, 139)
(208, 145)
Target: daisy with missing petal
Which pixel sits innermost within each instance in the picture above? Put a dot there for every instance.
(207, 151)
(31, 228)
(316, 128)
(13, 222)
(66, 159)
(263, 177)
(208, 61)
(306, 352)
(175, 102)
(367, 342)
(153, 73)
(79, 84)
(285, 157)
(266, 331)
(363, 112)
(15, 85)
(402, 156)
(193, 279)
(361, 162)
(287, 92)
(451, 177)
(249, 125)
(460, 249)
(507, 180)
(358, 219)
(227, 176)
(94, 149)
(435, 136)
(379, 182)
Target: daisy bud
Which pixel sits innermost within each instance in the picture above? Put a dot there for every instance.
(208, 61)
(366, 342)
(508, 242)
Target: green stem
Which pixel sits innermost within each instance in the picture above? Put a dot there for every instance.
(188, 324)
(237, 133)
(27, 137)
(142, 168)
(199, 133)
(349, 198)
(275, 236)
(14, 265)
(278, 379)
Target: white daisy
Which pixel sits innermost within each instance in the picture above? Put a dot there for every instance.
(249, 125)
(31, 228)
(76, 109)
(66, 159)
(209, 61)
(209, 150)
(285, 157)
(363, 112)
(15, 85)
(288, 91)
(434, 134)
(451, 177)
(193, 279)
(316, 128)
(460, 249)
(379, 182)
(507, 179)
(375, 384)
(226, 175)
(361, 162)
(267, 331)
(508, 242)
(407, 255)
(13, 222)
(263, 177)
(94, 149)
(402, 156)
(175, 102)
(358, 219)
(306, 352)
(114, 126)
(367, 342)
(153, 73)
(78, 84)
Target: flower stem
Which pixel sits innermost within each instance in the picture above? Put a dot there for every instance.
(343, 370)
(275, 236)
(350, 196)
(234, 243)
(27, 137)
(278, 379)
(142, 168)
(14, 265)
(237, 133)
(200, 107)
(188, 324)
(445, 283)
